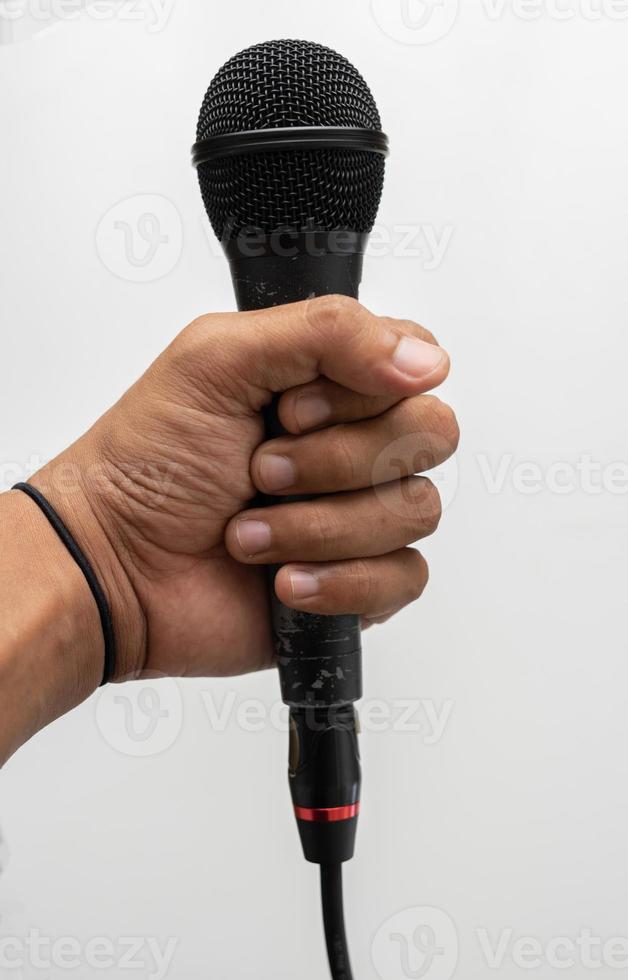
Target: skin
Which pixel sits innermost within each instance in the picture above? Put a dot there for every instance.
(159, 491)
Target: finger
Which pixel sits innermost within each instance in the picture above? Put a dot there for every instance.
(369, 587)
(349, 525)
(415, 435)
(274, 350)
(366, 622)
(323, 403)
(412, 327)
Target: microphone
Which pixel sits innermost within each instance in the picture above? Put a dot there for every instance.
(291, 156)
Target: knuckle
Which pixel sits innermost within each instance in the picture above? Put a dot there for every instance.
(438, 424)
(438, 413)
(181, 348)
(335, 305)
(446, 423)
(431, 508)
(344, 460)
(418, 576)
(425, 507)
(197, 333)
(367, 406)
(361, 584)
(199, 352)
(335, 313)
(320, 530)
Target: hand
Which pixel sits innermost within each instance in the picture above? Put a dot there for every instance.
(159, 492)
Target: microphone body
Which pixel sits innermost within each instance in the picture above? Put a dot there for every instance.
(319, 657)
(290, 156)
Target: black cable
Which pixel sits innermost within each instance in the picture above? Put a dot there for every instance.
(95, 587)
(334, 920)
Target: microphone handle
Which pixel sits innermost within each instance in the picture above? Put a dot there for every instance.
(319, 657)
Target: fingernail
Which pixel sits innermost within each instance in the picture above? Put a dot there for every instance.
(253, 537)
(277, 472)
(304, 585)
(416, 358)
(311, 410)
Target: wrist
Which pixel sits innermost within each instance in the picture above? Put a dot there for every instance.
(65, 484)
(50, 635)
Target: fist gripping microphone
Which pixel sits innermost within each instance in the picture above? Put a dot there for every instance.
(290, 156)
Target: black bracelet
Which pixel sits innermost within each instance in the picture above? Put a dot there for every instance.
(94, 585)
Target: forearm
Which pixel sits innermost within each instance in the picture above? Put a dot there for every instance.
(51, 643)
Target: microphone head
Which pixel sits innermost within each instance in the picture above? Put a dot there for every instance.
(281, 85)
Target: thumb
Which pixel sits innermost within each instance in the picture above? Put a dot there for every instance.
(277, 349)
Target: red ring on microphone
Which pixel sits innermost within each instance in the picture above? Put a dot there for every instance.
(327, 814)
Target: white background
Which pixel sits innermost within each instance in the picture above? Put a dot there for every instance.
(509, 145)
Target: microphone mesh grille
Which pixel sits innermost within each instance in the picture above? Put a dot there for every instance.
(282, 84)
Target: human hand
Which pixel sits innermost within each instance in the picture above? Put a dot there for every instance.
(158, 492)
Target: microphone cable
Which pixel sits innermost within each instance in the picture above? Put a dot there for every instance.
(334, 922)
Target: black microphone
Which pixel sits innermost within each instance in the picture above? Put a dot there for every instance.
(291, 157)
